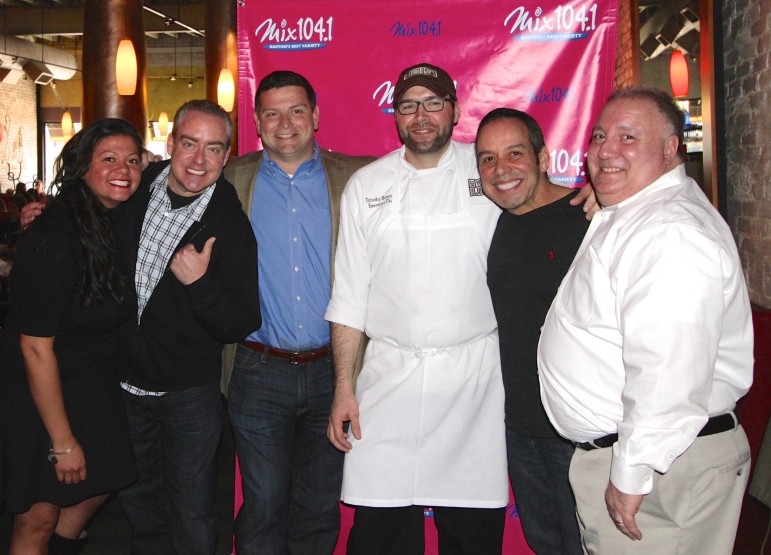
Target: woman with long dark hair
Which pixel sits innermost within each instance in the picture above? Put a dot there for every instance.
(66, 439)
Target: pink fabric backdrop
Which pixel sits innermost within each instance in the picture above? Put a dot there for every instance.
(553, 59)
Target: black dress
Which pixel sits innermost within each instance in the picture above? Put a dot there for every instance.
(45, 302)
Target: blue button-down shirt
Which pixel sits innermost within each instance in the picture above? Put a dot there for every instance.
(292, 222)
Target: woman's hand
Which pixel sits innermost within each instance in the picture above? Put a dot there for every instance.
(70, 467)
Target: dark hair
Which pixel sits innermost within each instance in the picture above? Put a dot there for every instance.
(102, 275)
(535, 134)
(664, 104)
(279, 79)
(204, 107)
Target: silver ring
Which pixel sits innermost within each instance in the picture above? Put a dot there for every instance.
(619, 521)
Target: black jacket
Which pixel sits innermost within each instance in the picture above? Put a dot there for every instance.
(179, 341)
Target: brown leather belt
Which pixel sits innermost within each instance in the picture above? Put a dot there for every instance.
(294, 357)
(715, 425)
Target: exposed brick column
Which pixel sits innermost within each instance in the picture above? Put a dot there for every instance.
(628, 44)
(747, 48)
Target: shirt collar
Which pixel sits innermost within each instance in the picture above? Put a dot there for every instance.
(673, 177)
(307, 166)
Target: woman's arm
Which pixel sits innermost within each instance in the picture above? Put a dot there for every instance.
(46, 389)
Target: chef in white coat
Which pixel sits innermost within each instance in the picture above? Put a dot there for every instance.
(427, 418)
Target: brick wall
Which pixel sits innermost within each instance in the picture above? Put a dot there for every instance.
(747, 83)
(627, 45)
(18, 124)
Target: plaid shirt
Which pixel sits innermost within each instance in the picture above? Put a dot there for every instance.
(162, 230)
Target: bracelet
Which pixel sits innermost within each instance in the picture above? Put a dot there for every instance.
(52, 454)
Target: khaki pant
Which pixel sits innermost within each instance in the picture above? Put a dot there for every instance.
(693, 508)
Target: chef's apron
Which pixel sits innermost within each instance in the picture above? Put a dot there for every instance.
(430, 393)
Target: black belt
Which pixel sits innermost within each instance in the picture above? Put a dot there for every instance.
(294, 357)
(714, 425)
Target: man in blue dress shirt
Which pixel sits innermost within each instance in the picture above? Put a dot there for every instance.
(282, 381)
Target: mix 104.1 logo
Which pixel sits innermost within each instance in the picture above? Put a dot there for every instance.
(564, 22)
(306, 33)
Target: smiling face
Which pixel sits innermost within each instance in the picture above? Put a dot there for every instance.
(198, 151)
(115, 170)
(426, 134)
(513, 176)
(286, 125)
(632, 146)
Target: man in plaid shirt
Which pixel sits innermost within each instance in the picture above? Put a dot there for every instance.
(194, 295)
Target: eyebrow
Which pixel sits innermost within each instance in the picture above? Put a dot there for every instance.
(196, 140)
(507, 147)
(298, 105)
(421, 99)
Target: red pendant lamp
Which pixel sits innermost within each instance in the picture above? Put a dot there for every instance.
(678, 74)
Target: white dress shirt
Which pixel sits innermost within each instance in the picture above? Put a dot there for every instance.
(650, 333)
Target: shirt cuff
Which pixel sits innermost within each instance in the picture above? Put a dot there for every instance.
(342, 312)
(632, 480)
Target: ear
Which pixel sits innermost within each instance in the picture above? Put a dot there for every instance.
(456, 113)
(671, 145)
(169, 143)
(316, 118)
(543, 159)
(257, 122)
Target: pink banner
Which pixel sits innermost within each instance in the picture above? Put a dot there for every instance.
(554, 60)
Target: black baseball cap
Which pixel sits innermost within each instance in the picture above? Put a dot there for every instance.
(430, 76)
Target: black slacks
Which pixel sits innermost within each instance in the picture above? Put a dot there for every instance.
(399, 531)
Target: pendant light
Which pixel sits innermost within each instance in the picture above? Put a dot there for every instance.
(66, 124)
(163, 124)
(226, 90)
(678, 74)
(126, 68)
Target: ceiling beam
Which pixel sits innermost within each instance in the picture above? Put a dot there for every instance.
(27, 21)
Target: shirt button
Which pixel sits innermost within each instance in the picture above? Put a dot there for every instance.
(298, 298)
(294, 239)
(296, 269)
(301, 326)
(647, 478)
(294, 210)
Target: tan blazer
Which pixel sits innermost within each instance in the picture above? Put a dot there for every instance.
(242, 173)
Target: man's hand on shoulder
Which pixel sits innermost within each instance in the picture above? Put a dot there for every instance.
(622, 508)
(587, 196)
(29, 212)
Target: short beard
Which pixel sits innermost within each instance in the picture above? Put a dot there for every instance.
(439, 142)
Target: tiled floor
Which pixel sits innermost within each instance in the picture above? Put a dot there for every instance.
(108, 532)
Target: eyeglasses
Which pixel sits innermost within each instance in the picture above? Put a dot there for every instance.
(433, 104)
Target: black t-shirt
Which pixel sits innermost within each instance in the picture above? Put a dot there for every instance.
(529, 255)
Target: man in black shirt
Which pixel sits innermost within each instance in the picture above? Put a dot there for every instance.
(537, 236)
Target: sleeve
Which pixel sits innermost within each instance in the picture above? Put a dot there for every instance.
(226, 299)
(45, 277)
(670, 311)
(348, 304)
